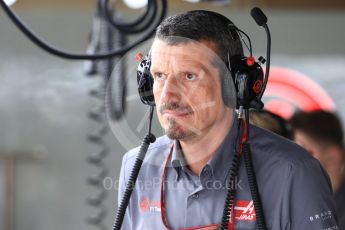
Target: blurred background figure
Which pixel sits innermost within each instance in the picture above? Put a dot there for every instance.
(270, 121)
(321, 134)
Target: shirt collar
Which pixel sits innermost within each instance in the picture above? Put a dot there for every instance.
(177, 159)
(220, 161)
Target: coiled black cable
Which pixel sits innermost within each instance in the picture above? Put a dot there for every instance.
(253, 185)
(96, 159)
(243, 149)
(97, 114)
(260, 218)
(230, 196)
(232, 176)
(148, 139)
(65, 54)
(103, 38)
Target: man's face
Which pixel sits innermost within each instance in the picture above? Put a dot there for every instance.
(328, 155)
(186, 88)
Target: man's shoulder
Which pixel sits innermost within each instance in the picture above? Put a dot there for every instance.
(284, 162)
(155, 154)
(270, 146)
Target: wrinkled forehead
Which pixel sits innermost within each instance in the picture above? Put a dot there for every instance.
(184, 49)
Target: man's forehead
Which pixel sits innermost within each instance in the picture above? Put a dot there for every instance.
(186, 48)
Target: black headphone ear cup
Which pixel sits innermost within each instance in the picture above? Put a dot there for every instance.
(248, 78)
(145, 81)
(228, 89)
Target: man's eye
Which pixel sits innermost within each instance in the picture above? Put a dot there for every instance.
(159, 76)
(190, 76)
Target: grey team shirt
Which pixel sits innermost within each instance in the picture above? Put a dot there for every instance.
(295, 191)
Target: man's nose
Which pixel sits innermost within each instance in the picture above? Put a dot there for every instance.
(172, 89)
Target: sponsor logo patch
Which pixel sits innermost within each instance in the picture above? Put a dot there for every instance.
(145, 205)
(244, 211)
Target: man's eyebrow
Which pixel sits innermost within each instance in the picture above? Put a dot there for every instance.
(155, 68)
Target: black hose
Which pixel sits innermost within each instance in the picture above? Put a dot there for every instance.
(64, 54)
(108, 14)
(143, 22)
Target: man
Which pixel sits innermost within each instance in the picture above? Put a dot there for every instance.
(320, 132)
(183, 180)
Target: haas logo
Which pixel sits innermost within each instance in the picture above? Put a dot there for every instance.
(244, 211)
(257, 86)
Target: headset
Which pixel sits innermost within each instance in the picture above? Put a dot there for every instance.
(246, 74)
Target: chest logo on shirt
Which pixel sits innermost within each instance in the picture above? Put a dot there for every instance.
(145, 205)
(244, 211)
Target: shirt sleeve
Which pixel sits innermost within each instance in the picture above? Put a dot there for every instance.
(309, 197)
(126, 225)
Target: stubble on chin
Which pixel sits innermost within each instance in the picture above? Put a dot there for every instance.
(175, 128)
(177, 131)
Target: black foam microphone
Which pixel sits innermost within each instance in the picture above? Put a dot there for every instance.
(261, 19)
(259, 16)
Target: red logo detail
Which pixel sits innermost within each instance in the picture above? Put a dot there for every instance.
(257, 86)
(139, 56)
(144, 205)
(250, 61)
(244, 211)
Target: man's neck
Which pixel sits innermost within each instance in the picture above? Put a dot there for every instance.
(335, 167)
(337, 180)
(198, 152)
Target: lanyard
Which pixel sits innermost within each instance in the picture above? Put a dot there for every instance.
(162, 202)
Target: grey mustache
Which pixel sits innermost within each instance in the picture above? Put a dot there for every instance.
(175, 107)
